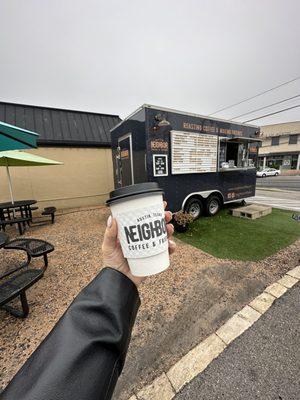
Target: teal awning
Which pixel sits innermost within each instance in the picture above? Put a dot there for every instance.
(14, 138)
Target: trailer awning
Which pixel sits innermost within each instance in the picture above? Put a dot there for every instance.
(240, 139)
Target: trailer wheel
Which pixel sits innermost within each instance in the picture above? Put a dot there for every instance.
(194, 207)
(213, 206)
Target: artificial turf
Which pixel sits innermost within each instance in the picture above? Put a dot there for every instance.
(225, 236)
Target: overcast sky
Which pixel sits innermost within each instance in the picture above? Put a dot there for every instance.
(112, 56)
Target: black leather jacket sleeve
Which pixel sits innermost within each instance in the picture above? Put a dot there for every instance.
(82, 357)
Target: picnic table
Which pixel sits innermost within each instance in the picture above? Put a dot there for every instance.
(23, 205)
(3, 239)
(16, 285)
(8, 214)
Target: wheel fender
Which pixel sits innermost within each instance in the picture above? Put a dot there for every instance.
(203, 195)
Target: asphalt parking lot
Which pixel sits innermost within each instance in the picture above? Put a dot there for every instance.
(263, 363)
(279, 182)
(284, 199)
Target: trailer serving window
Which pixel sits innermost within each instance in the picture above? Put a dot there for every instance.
(234, 153)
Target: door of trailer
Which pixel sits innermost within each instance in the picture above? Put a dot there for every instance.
(125, 164)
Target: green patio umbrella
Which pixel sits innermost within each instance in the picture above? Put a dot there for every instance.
(14, 138)
(21, 159)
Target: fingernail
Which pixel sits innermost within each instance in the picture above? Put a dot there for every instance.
(109, 221)
(172, 243)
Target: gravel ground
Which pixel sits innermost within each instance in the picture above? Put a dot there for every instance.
(179, 307)
(75, 262)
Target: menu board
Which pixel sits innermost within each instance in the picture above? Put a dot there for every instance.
(193, 152)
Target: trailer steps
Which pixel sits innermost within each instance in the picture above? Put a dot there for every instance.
(252, 211)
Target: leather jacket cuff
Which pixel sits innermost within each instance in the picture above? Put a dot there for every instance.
(121, 283)
(114, 281)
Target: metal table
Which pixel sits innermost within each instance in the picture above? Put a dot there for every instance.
(23, 205)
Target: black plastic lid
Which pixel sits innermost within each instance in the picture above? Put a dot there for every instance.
(133, 190)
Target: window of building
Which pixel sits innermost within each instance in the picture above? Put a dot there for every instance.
(282, 161)
(274, 161)
(294, 161)
(293, 139)
(275, 141)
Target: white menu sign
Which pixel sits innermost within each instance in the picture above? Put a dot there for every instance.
(193, 152)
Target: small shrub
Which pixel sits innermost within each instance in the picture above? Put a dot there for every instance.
(182, 218)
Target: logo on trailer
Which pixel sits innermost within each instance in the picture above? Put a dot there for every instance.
(159, 144)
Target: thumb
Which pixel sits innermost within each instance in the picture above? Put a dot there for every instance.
(110, 235)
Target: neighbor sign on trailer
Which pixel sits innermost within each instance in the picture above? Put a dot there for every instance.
(200, 162)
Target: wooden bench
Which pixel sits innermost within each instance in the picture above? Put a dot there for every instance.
(18, 221)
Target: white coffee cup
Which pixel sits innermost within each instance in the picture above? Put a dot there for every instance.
(139, 212)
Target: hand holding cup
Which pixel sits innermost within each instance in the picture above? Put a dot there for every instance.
(112, 252)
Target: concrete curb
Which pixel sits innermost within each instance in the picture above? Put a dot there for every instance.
(169, 383)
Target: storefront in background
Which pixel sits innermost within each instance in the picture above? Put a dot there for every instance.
(280, 146)
(280, 161)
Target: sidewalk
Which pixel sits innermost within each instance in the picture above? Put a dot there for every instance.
(263, 363)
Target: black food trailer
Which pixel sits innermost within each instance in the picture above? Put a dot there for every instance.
(200, 162)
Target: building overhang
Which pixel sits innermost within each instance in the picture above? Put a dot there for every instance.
(276, 153)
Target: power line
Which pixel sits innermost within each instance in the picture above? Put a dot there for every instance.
(257, 95)
(267, 115)
(262, 108)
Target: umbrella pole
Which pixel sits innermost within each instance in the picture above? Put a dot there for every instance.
(10, 188)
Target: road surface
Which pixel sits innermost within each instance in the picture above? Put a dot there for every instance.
(263, 363)
(279, 182)
(286, 200)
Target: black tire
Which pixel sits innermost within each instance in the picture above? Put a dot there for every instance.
(276, 173)
(194, 207)
(264, 176)
(212, 205)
